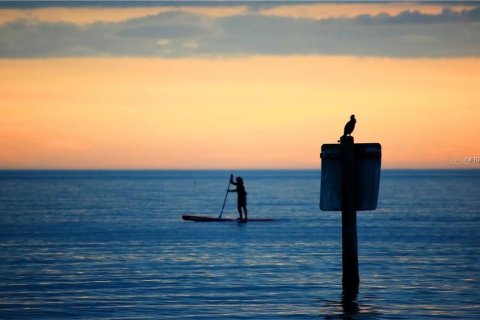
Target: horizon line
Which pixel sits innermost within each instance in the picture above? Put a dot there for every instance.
(227, 169)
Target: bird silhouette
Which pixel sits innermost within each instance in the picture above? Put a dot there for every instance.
(349, 127)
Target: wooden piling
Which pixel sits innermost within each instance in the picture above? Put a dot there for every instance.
(350, 276)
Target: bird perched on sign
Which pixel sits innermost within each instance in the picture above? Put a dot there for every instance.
(349, 127)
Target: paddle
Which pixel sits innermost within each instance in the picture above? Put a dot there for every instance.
(224, 201)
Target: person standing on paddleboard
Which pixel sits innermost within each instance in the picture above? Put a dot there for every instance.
(242, 196)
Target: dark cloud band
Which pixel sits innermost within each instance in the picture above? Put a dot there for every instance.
(180, 34)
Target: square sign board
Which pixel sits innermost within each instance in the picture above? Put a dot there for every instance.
(367, 180)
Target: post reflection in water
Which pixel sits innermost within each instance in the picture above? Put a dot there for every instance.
(349, 308)
(349, 302)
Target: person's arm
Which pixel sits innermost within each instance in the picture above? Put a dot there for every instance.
(231, 180)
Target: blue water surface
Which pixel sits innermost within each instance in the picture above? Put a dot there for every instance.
(112, 245)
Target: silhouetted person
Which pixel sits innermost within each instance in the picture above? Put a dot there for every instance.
(242, 196)
(349, 127)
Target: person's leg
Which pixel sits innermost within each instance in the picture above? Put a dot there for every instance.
(239, 208)
(245, 212)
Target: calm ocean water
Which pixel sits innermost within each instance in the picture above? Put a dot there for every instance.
(112, 245)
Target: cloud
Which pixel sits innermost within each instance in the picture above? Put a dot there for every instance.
(416, 17)
(164, 34)
(170, 24)
(181, 34)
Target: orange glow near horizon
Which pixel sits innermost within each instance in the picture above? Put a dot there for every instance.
(257, 112)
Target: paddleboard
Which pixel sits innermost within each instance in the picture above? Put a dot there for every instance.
(188, 217)
(204, 218)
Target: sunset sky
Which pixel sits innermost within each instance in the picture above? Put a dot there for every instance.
(234, 85)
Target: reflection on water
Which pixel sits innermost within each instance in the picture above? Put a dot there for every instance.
(112, 245)
(349, 307)
(349, 302)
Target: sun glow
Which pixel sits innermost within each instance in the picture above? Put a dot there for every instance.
(258, 112)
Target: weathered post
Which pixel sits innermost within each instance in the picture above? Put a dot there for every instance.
(350, 276)
(350, 183)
